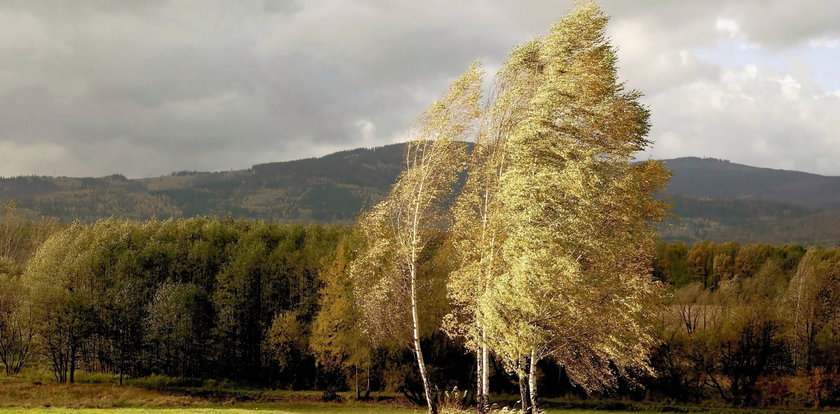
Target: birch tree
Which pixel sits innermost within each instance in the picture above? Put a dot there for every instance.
(397, 231)
(479, 227)
(811, 294)
(577, 285)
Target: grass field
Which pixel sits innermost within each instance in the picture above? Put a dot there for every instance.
(34, 393)
(278, 410)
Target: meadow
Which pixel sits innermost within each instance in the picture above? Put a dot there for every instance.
(220, 410)
(29, 397)
(315, 409)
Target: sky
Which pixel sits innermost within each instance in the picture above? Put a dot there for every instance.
(146, 88)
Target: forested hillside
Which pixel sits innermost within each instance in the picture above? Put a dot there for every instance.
(334, 188)
(714, 178)
(722, 201)
(712, 199)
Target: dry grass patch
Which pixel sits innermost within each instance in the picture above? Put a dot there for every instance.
(29, 395)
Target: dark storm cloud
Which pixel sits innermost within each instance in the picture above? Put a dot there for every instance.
(144, 88)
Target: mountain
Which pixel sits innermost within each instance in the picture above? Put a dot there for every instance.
(713, 178)
(712, 199)
(749, 221)
(332, 188)
(719, 200)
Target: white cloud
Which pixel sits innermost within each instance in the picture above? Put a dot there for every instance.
(752, 116)
(824, 43)
(728, 26)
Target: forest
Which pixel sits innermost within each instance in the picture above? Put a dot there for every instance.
(270, 304)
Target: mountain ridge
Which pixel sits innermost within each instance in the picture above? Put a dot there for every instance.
(733, 180)
(713, 199)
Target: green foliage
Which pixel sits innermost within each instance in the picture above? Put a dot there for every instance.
(22, 233)
(338, 341)
(286, 342)
(672, 264)
(16, 324)
(176, 328)
(177, 297)
(752, 324)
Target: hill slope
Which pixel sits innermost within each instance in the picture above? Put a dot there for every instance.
(713, 178)
(713, 199)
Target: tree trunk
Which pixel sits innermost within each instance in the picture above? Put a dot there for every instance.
(421, 363)
(367, 378)
(485, 375)
(121, 366)
(479, 405)
(532, 382)
(356, 375)
(524, 397)
(72, 364)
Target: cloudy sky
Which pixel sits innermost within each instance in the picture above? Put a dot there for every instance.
(95, 87)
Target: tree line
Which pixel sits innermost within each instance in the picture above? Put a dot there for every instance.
(276, 305)
(753, 324)
(187, 298)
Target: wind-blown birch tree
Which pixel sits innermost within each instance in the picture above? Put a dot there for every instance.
(577, 285)
(397, 231)
(479, 227)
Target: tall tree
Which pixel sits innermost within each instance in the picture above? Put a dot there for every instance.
(479, 227)
(16, 324)
(578, 285)
(811, 299)
(337, 340)
(176, 328)
(397, 230)
(64, 278)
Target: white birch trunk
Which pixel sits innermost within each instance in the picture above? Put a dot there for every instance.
(524, 397)
(485, 374)
(421, 363)
(478, 383)
(532, 383)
